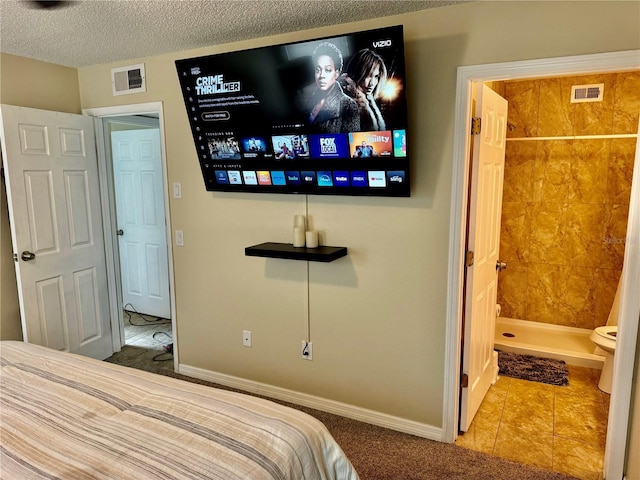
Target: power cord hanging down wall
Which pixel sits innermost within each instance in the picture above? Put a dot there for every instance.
(307, 352)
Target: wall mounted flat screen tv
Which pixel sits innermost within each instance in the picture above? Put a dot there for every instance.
(325, 116)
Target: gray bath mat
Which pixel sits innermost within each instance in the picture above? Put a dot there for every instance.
(535, 369)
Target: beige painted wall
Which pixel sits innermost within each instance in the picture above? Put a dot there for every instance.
(377, 317)
(35, 84)
(10, 327)
(28, 83)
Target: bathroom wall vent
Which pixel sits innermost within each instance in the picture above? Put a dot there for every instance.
(131, 79)
(587, 93)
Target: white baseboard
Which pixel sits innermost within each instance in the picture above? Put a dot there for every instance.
(319, 403)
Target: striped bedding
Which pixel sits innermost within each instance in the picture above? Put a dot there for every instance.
(69, 417)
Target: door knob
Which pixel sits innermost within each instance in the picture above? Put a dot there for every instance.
(120, 232)
(27, 256)
(501, 265)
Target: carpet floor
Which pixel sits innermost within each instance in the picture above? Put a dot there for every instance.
(377, 453)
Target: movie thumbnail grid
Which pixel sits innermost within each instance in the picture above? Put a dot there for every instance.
(226, 146)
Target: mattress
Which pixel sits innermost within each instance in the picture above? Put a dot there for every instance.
(71, 417)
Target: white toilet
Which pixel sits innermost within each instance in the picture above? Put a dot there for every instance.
(605, 338)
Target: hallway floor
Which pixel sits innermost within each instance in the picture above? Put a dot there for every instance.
(562, 429)
(146, 331)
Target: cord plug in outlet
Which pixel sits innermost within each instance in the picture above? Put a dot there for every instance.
(307, 350)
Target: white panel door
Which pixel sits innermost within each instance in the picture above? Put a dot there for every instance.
(485, 207)
(144, 263)
(53, 193)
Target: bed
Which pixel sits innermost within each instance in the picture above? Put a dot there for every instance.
(70, 417)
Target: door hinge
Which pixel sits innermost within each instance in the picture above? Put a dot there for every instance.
(464, 381)
(468, 261)
(476, 125)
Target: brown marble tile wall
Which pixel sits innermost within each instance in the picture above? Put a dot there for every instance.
(566, 202)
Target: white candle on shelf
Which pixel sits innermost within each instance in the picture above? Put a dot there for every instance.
(298, 237)
(312, 239)
(300, 221)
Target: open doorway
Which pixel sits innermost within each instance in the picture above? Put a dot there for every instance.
(566, 191)
(133, 177)
(619, 409)
(136, 166)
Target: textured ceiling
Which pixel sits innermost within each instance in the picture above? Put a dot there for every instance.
(91, 32)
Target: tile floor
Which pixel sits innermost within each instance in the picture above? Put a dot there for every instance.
(146, 331)
(562, 429)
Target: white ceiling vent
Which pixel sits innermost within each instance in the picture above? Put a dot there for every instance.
(129, 79)
(587, 93)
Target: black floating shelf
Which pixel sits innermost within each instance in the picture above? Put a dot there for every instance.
(288, 251)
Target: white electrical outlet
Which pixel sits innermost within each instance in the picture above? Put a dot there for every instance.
(177, 190)
(246, 338)
(307, 350)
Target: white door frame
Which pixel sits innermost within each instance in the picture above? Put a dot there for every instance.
(108, 205)
(624, 358)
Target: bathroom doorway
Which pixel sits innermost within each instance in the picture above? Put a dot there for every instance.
(521, 70)
(545, 195)
(565, 208)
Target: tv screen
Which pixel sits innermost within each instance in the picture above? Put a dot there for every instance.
(325, 116)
